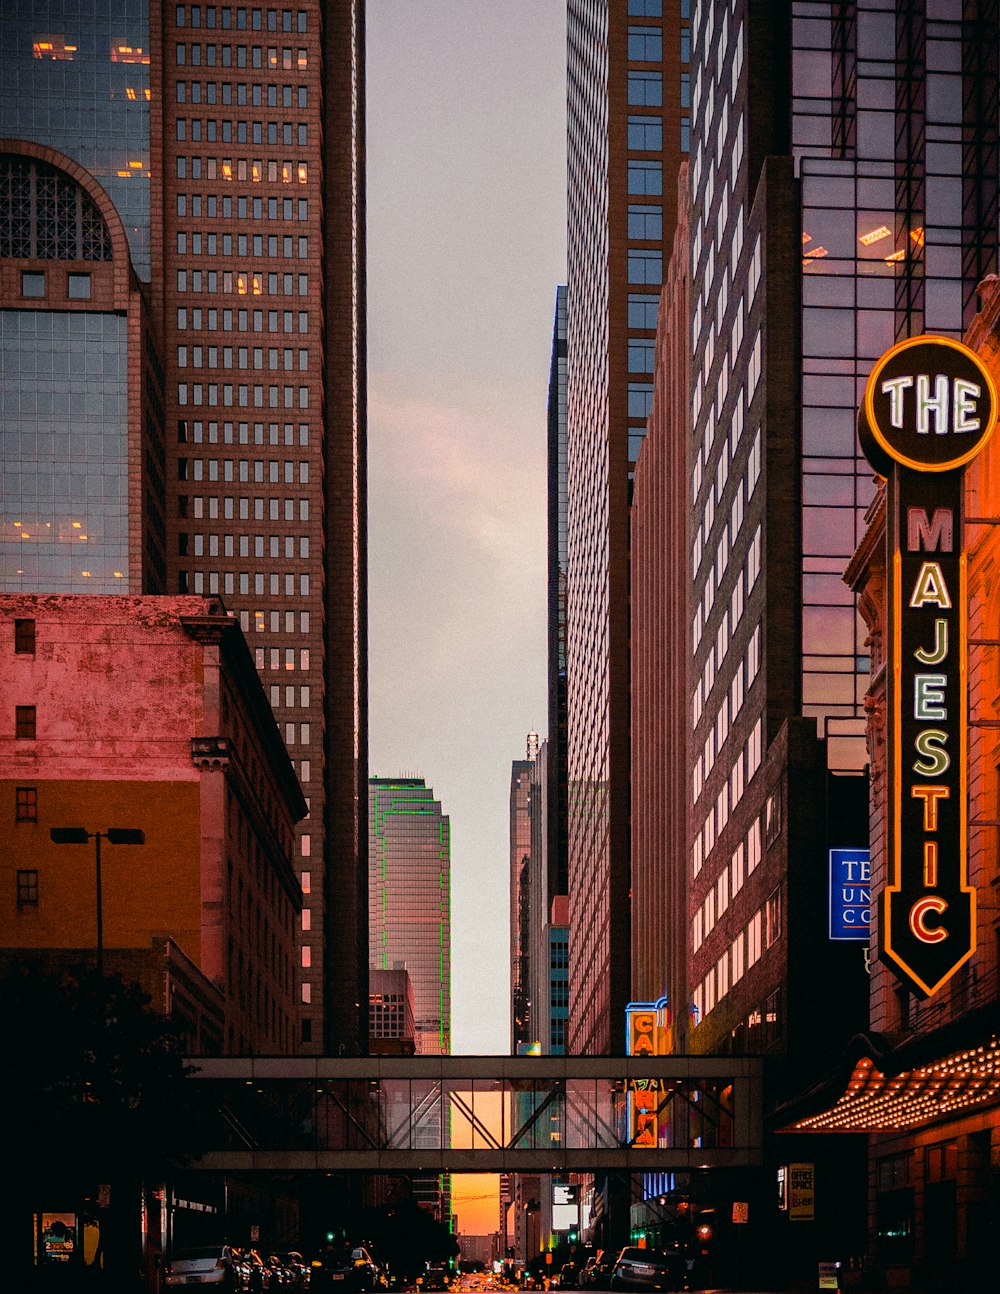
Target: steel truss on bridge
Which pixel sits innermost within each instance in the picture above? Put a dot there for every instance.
(481, 1113)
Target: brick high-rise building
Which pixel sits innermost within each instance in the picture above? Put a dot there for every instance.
(659, 594)
(627, 132)
(182, 234)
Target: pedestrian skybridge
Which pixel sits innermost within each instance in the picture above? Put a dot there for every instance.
(481, 1113)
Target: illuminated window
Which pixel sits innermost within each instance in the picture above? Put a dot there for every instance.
(121, 52)
(26, 804)
(27, 888)
(54, 47)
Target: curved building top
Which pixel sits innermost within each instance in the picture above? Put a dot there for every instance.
(75, 76)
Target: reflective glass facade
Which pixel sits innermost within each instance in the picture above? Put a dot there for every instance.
(844, 195)
(74, 75)
(63, 438)
(409, 899)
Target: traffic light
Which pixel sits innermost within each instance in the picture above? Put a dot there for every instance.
(573, 1237)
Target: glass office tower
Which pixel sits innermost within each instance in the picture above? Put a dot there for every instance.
(844, 195)
(409, 899)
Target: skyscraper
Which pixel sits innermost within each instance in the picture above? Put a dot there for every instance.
(627, 130)
(182, 198)
(522, 773)
(409, 897)
(557, 843)
(844, 195)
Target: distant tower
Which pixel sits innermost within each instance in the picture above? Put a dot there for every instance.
(409, 899)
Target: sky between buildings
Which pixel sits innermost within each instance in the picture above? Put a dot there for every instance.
(466, 244)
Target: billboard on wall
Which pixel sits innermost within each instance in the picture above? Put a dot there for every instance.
(850, 894)
(929, 408)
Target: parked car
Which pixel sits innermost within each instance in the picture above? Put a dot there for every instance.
(210, 1265)
(347, 1269)
(648, 1269)
(434, 1277)
(298, 1268)
(596, 1274)
(256, 1273)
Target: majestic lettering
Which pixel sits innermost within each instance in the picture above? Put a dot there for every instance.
(930, 588)
(931, 536)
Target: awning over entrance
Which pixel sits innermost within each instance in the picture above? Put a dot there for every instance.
(949, 1073)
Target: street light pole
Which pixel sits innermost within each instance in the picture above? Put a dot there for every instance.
(114, 836)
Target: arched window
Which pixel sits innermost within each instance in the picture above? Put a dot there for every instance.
(46, 215)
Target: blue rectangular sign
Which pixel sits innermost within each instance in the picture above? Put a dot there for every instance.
(850, 894)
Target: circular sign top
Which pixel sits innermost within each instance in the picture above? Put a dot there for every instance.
(929, 404)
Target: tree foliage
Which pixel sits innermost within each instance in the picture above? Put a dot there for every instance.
(92, 1088)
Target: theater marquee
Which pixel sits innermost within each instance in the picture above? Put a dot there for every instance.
(929, 408)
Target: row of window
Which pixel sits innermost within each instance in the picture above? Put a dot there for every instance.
(288, 659)
(229, 396)
(730, 705)
(197, 204)
(243, 357)
(240, 581)
(227, 18)
(287, 246)
(213, 320)
(197, 432)
(34, 285)
(744, 952)
(202, 506)
(729, 882)
(243, 283)
(271, 57)
(276, 134)
(744, 766)
(242, 95)
(244, 469)
(243, 169)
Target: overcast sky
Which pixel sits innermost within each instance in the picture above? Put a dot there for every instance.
(466, 244)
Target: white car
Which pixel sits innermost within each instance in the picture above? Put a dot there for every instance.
(212, 1265)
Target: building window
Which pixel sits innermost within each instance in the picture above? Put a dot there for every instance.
(645, 134)
(645, 179)
(640, 399)
(46, 215)
(24, 721)
(24, 637)
(641, 355)
(645, 223)
(27, 888)
(32, 283)
(773, 918)
(26, 798)
(78, 287)
(645, 89)
(645, 267)
(645, 45)
(642, 311)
